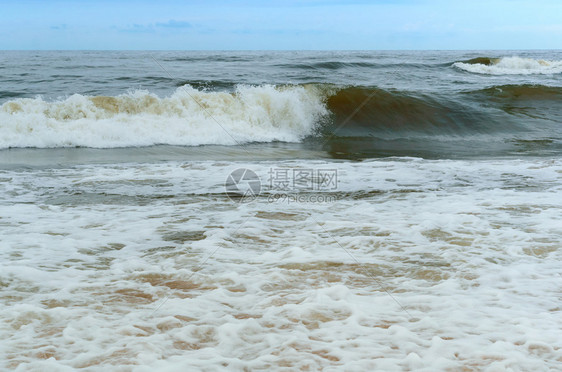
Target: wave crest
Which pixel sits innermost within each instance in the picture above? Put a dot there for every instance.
(510, 66)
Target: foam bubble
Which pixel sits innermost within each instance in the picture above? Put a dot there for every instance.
(180, 278)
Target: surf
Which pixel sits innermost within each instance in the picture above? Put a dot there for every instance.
(188, 117)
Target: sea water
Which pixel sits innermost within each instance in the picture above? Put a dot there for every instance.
(280, 211)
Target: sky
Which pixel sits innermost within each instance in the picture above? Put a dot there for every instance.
(281, 25)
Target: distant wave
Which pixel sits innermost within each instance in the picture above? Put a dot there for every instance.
(267, 113)
(510, 66)
(330, 65)
(486, 61)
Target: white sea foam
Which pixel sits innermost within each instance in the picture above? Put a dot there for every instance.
(188, 117)
(513, 66)
(470, 251)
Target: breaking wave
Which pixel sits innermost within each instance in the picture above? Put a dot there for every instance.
(189, 117)
(509, 66)
(268, 113)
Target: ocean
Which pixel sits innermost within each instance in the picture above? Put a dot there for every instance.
(241, 211)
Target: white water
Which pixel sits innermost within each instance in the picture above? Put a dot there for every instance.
(514, 66)
(188, 117)
(148, 267)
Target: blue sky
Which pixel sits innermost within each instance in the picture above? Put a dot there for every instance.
(289, 24)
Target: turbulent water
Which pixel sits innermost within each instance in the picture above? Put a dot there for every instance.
(396, 210)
